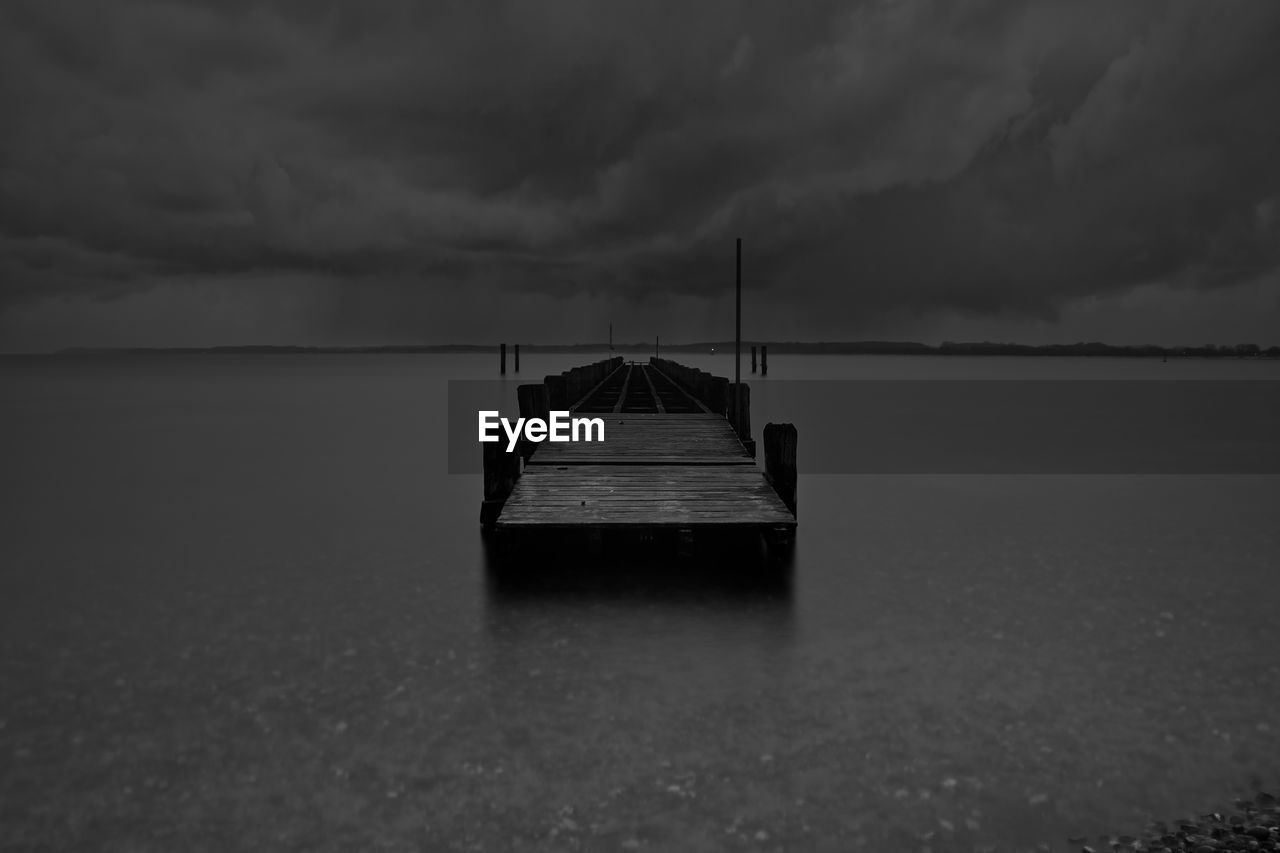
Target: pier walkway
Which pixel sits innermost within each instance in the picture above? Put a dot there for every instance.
(677, 456)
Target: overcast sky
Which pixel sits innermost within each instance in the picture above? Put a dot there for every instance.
(234, 171)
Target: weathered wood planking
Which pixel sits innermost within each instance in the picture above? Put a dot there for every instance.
(613, 496)
(670, 459)
(637, 439)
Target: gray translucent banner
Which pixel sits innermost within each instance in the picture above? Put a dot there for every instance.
(984, 426)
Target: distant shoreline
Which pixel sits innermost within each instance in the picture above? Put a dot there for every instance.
(984, 348)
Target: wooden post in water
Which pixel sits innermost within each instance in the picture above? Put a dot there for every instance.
(502, 359)
(686, 545)
(501, 470)
(534, 403)
(557, 391)
(764, 360)
(716, 395)
(753, 359)
(780, 461)
(517, 358)
(740, 406)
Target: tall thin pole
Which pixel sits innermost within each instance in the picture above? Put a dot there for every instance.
(737, 342)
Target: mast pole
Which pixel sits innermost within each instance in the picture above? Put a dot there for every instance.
(737, 340)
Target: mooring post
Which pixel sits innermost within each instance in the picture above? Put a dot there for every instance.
(501, 470)
(740, 405)
(573, 386)
(533, 404)
(502, 359)
(517, 358)
(753, 359)
(557, 391)
(764, 360)
(780, 461)
(686, 545)
(717, 398)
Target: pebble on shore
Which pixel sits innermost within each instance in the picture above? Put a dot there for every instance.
(1253, 825)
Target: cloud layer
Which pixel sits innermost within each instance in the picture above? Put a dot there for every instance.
(879, 159)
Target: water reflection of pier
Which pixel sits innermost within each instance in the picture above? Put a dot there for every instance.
(641, 610)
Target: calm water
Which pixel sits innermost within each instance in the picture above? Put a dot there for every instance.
(242, 605)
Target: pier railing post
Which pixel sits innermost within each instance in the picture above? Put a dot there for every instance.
(501, 470)
(533, 404)
(780, 461)
(566, 389)
(740, 414)
(572, 386)
(557, 391)
(718, 395)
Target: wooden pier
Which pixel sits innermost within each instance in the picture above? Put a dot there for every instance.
(677, 460)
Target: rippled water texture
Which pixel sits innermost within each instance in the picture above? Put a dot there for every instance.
(242, 605)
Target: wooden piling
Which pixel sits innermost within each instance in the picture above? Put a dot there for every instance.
(534, 403)
(501, 470)
(764, 360)
(502, 359)
(780, 461)
(517, 358)
(740, 414)
(753, 359)
(686, 544)
(718, 395)
(557, 391)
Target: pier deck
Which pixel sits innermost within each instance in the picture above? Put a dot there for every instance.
(632, 496)
(652, 439)
(669, 460)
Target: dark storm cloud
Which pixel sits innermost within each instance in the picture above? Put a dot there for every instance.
(876, 157)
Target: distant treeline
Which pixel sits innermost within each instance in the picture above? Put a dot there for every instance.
(1099, 349)
(775, 348)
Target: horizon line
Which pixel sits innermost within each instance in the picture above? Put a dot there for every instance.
(835, 347)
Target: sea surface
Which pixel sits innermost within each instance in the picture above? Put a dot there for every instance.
(243, 605)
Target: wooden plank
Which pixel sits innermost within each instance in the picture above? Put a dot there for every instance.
(669, 382)
(632, 438)
(622, 394)
(653, 392)
(644, 496)
(595, 389)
